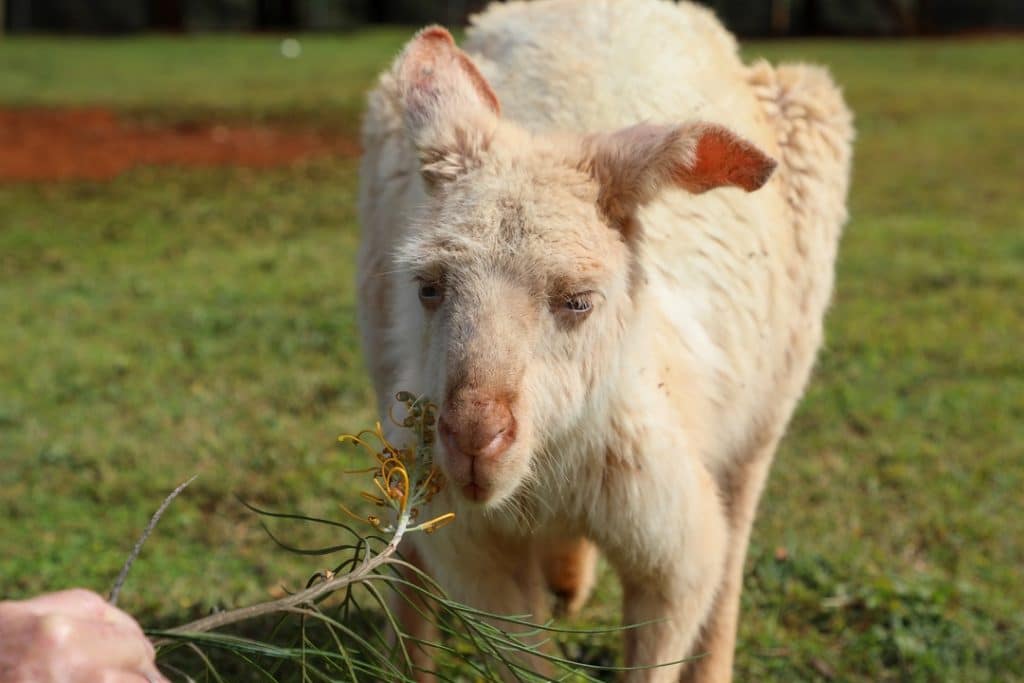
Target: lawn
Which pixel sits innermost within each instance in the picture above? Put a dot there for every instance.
(182, 321)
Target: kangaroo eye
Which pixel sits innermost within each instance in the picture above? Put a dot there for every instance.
(578, 303)
(431, 294)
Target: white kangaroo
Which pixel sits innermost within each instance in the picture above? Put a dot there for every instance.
(604, 246)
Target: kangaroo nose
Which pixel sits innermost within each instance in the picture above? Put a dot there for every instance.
(478, 427)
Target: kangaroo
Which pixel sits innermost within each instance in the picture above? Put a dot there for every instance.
(604, 247)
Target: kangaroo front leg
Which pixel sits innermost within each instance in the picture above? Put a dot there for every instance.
(670, 568)
(411, 609)
(499, 576)
(742, 491)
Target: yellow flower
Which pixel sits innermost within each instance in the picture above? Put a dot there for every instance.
(403, 476)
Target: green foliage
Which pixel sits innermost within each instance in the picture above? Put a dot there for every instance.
(174, 322)
(355, 643)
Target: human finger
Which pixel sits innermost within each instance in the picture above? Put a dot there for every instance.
(84, 644)
(118, 676)
(72, 602)
(82, 604)
(153, 675)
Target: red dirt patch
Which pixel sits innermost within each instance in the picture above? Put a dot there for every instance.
(96, 144)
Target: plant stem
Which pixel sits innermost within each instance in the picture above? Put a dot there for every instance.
(221, 619)
(115, 591)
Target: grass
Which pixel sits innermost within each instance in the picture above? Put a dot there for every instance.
(201, 76)
(173, 322)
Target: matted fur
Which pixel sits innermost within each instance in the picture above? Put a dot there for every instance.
(647, 425)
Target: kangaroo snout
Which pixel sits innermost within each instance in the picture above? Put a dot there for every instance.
(477, 425)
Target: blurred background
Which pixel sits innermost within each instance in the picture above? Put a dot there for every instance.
(177, 261)
(745, 17)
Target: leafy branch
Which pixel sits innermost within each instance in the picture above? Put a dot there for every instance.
(482, 644)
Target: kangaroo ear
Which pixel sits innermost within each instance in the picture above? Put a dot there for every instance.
(449, 108)
(634, 164)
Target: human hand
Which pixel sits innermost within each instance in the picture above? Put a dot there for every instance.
(72, 636)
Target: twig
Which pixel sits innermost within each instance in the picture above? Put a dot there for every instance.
(215, 621)
(123, 576)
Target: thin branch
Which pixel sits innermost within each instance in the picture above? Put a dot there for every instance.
(221, 619)
(115, 592)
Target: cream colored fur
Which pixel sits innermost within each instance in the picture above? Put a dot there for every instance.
(648, 425)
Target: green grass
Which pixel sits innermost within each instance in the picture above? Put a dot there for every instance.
(171, 77)
(173, 322)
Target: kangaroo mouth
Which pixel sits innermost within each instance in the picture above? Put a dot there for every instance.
(473, 489)
(475, 492)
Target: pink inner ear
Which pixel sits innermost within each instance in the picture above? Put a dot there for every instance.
(427, 49)
(433, 58)
(722, 158)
